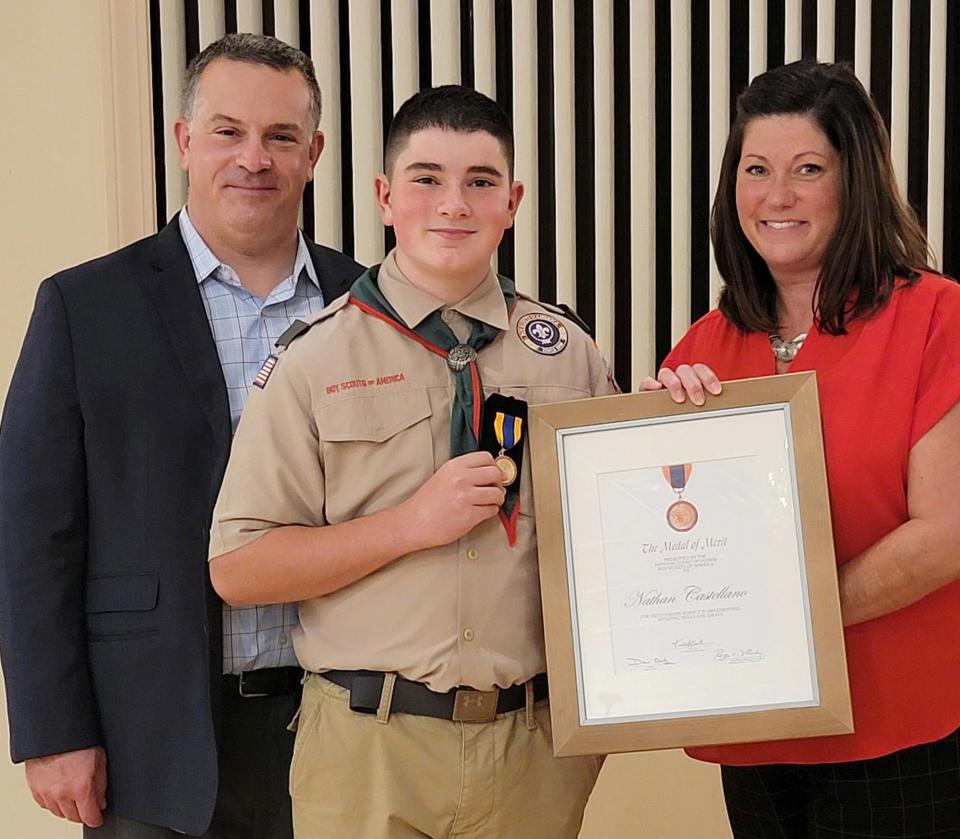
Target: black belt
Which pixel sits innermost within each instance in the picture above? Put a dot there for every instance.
(460, 704)
(270, 681)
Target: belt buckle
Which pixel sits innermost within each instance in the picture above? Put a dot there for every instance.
(475, 705)
(245, 694)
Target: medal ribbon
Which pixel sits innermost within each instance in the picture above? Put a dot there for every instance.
(508, 430)
(677, 475)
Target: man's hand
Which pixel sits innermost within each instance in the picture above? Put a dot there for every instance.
(71, 785)
(685, 381)
(462, 493)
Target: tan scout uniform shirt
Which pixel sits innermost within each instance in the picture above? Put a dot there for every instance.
(354, 418)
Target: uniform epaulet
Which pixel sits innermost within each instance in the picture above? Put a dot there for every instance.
(299, 327)
(561, 309)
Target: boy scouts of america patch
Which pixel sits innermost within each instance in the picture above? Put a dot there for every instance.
(265, 370)
(542, 333)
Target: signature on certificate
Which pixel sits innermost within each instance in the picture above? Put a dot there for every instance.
(691, 645)
(654, 663)
(741, 656)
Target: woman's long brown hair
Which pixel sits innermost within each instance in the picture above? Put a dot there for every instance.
(878, 237)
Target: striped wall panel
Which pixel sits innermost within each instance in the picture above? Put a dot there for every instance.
(620, 108)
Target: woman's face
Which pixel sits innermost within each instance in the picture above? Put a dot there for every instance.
(788, 194)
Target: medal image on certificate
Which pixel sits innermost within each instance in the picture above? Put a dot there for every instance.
(681, 596)
(681, 515)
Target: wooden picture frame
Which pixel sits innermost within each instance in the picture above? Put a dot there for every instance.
(687, 569)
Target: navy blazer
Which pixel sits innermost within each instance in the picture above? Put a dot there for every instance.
(113, 443)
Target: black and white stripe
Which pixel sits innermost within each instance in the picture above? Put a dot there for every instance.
(620, 108)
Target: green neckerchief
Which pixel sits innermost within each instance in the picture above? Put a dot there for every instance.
(437, 337)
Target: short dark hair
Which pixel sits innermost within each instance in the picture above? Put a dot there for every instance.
(878, 237)
(452, 107)
(252, 49)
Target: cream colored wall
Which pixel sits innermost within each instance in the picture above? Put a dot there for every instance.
(52, 161)
(75, 183)
(53, 213)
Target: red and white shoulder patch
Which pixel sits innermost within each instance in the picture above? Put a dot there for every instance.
(265, 370)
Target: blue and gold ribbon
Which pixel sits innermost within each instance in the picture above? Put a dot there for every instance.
(508, 430)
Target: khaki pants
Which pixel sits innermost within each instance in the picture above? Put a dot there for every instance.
(353, 777)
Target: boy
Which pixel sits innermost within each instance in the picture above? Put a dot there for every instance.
(377, 477)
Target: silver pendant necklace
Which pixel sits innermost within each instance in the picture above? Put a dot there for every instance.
(786, 351)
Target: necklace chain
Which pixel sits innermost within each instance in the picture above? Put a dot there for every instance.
(786, 351)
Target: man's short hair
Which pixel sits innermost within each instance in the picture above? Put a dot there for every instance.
(451, 107)
(252, 49)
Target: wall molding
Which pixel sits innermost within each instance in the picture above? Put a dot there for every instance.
(127, 120)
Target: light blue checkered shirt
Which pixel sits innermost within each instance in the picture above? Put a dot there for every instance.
(245, 328)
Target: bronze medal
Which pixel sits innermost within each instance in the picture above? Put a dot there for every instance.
(507, 467)
(682, 515)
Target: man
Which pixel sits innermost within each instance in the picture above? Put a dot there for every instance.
(386, 493)
(124, 681)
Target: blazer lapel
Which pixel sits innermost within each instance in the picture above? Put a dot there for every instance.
(335, 271)
(173, 286)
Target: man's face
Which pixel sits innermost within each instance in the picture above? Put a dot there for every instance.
(449, 198)
(249, 149)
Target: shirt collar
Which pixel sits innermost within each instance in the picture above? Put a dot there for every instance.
(485, 303)
(205, 262)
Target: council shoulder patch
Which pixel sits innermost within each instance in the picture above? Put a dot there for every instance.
(542, 333)
(265, 370)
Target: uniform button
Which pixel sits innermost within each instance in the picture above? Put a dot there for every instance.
(473, 553)
(447, 315)
(468, 635)
(283, 640)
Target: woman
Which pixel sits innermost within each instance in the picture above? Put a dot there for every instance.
(825, 269)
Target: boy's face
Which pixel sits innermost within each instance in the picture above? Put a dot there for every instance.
(448, 198)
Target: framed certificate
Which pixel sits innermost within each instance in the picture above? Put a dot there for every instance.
(687, 569)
